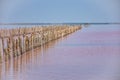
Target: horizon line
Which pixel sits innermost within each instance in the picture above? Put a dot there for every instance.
(87, 23)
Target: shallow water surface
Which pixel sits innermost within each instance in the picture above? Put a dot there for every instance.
(92, 53)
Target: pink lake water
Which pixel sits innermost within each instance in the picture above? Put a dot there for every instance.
(92, 53)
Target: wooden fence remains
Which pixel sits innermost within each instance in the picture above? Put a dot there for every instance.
(17, 41)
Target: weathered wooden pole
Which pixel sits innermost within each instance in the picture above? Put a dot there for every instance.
(26, 43)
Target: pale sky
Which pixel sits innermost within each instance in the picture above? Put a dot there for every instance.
(59, 11)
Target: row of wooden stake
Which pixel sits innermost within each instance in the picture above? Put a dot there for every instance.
(15, 42)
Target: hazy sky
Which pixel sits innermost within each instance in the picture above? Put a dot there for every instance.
(59, 11)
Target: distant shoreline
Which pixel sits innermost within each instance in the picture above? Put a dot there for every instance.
(57, 23)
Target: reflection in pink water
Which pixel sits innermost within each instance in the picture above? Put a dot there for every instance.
(83, 55)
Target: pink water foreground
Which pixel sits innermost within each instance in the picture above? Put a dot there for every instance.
(84, 55)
